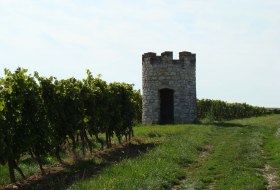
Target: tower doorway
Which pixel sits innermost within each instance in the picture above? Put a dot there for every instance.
(166, 106)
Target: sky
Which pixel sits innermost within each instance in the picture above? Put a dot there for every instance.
(237, 42)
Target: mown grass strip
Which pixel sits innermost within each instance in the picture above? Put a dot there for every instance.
(159, 168)
(236, 158)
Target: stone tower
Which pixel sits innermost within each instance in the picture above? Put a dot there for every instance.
(169, 88)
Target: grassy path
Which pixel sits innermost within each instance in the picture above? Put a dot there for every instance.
(233, 162)
(203, 156)
(241, 157)
(239, 152)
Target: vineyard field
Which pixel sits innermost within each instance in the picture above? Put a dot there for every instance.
(220, 155)
(72, 129)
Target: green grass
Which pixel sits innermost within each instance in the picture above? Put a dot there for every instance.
(159, 168)
(237, 152)
(241, 149)
(29, 167)
(234, 161)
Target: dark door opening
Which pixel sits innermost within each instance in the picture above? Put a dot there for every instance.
(166, 106)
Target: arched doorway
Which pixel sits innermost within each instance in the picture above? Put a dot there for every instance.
(166, 106)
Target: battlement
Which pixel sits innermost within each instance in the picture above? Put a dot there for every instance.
(167, 57)
(187, 55)
(149, 55)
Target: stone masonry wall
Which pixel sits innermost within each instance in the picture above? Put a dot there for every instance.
(159, 72)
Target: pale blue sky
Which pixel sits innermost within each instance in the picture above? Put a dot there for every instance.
(237, 42)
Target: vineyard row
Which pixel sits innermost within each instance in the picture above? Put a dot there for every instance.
(39, 115)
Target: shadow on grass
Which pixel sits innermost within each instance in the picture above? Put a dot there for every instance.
(61, 177)
(226, 124)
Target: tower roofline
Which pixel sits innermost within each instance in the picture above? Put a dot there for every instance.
(167, 57)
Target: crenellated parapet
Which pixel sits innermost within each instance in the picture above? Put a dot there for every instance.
(167, 57)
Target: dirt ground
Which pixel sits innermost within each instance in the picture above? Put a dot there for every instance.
(60, 176)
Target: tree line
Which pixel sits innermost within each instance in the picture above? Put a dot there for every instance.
(221, 110)
(40, 115)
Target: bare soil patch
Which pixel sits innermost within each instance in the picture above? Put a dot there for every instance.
(271, 176)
